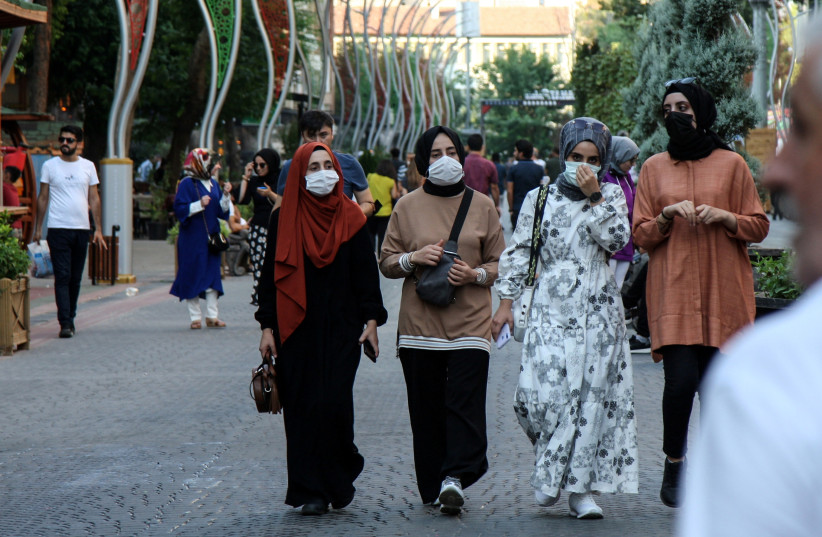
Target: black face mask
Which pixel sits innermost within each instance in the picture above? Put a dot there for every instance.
(681, 129)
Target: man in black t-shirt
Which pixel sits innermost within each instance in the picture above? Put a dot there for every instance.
(523, 177)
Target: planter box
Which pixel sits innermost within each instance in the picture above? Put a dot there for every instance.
(157, 231)
(14, 315)
(766, 305)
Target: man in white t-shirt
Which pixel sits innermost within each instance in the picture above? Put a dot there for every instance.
(756, 470)
(68, 188)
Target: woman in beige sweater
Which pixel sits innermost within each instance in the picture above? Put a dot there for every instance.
(444, 350)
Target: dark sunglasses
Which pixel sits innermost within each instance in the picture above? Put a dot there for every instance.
(686, 80)
(584, 124)
(259, 165)
(64, 140)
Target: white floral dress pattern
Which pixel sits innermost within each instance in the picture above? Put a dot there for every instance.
(574, 398)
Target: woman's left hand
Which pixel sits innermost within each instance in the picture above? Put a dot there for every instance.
(461, 274)
(370, 333)
(705, 214)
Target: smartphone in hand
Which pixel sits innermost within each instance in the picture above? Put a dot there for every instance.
(377, 206)
(369, 351)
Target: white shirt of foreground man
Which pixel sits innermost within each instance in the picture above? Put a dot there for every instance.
(757, 468)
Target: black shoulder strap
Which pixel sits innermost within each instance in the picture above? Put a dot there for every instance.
(536, 235)
(460, 219)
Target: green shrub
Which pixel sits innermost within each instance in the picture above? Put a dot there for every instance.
(775, 276)
(14, 261)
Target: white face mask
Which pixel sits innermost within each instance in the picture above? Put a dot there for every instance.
(445, 171)
(321, 183)
(571, 171)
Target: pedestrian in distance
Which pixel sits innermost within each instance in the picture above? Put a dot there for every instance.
(754, 470)
(385, 188)
(523, 177)
(320, 301)
(480, 173)
(318, 126)
(574, 397)
(444, 351)
(696, 210)
(68, 189)
(258, 183)
(623, 156)
(198, 206)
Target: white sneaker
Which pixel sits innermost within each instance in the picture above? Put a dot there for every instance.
(451, 496)
(545, 500)
(583, 506)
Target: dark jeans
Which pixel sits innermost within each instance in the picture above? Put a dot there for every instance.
(68, 248)
(376, 229)
(446, 402)
(685, 367)
(635, 297)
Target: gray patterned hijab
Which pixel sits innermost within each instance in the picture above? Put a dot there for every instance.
(579, 130)
(623, 149)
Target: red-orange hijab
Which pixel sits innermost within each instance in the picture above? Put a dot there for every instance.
(309, 226)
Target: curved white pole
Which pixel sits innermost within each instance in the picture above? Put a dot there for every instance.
(120, 80)
(292, 47)
(212, 92)
(269, 58)
(139, 73)
(229, 73)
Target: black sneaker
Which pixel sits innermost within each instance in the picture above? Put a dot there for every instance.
(639, 346)
(671, 479)
(66, 332)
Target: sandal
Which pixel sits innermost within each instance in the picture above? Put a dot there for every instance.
(196, 325)
(214, 323)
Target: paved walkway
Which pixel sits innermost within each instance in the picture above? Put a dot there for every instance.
(140, 426)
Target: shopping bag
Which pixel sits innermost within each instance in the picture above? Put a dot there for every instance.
(40, 259)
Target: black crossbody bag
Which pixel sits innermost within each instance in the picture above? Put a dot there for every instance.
(433, 285)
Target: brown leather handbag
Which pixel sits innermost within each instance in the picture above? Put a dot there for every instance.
(263, 388)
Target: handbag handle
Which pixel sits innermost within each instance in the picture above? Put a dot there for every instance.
(536, 235)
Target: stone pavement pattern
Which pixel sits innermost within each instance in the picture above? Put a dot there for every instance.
(141, 426)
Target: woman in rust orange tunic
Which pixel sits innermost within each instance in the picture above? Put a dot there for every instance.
(697, 208)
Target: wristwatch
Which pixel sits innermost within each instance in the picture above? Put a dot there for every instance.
(479, 276)
(595, 197)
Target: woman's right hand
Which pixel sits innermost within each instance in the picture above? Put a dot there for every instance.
(684, 209)
(428, 255)
(249, 169)
(502, 316)
(204, 201)
(267, 348)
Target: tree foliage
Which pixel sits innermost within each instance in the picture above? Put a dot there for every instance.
(605, 64)
(691, 38)
(510, 76)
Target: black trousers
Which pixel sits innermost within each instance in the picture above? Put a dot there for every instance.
(685, 367)
(446, 402)
(635, 297)
(68, 248)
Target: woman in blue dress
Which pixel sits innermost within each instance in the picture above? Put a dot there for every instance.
(197, 206)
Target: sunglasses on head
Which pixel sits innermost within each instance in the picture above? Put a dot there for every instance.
(686, 80)
(595, 126)
(64, 140)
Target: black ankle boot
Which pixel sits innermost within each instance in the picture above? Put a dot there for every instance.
(669, 493)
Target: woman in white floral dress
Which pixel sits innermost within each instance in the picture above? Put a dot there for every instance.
(575, 394)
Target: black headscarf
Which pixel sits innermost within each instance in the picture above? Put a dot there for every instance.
(423, 155)
(687, 143)
(272, 158)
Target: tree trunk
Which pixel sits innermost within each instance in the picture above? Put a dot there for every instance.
(38, 73)
(198, 68)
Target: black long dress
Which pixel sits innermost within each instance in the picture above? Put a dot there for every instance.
(317, 364)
